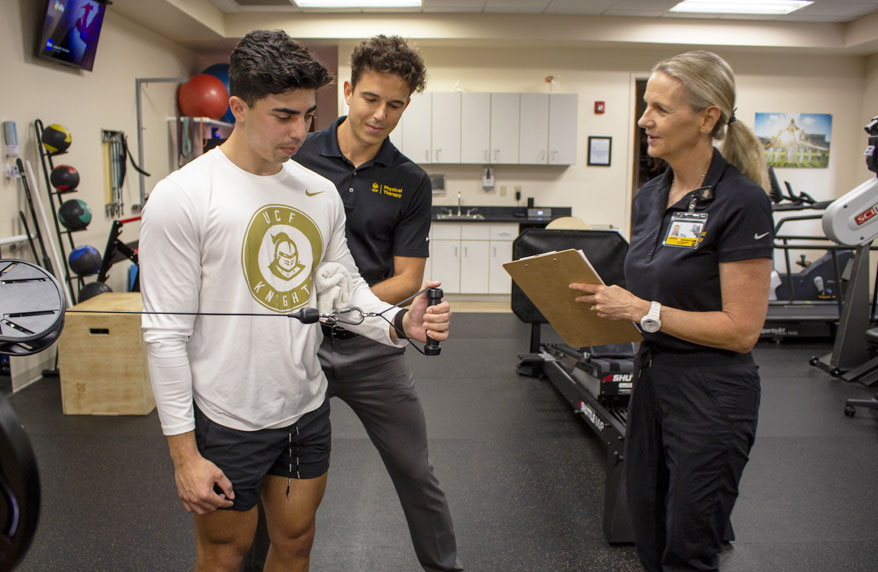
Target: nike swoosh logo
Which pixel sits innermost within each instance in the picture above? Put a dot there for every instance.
(312, 194)
(758, 236)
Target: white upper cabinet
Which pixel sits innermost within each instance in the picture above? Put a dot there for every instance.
(533, 131)
(490, 128)
(475, 125)
(504, 127)
(446, 127)
(416, 128)
(563, 125)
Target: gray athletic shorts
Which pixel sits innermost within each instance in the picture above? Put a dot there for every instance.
(300, 451)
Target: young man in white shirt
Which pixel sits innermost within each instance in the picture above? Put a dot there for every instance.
(241, 230)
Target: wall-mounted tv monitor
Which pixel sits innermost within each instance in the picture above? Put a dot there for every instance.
(70, 31)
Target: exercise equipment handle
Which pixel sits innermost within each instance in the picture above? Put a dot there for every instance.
(434, 296)
(306, 315)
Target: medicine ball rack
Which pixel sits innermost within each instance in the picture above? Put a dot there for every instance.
(48, 166)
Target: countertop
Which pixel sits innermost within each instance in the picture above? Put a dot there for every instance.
(499, 214)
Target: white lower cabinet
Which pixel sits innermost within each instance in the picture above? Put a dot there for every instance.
(501, 239)
(468, 257)
(445, 264)
(473, 266)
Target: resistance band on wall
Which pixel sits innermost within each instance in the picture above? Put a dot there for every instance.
(115, 168)
(184, 137)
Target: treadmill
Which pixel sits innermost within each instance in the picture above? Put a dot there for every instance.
(809, 303)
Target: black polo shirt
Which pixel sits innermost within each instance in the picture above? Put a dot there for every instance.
(387, 201)
(739, 226)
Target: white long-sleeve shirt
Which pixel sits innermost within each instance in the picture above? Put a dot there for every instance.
(216, 238)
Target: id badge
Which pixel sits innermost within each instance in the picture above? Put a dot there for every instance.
(686, 230)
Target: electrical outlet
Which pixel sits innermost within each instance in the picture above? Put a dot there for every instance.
(12, 171)
(502, 190)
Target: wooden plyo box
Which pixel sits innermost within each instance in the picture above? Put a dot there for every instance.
(102, 359)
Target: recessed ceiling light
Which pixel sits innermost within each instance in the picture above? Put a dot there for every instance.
(740, 6)
(358, 3)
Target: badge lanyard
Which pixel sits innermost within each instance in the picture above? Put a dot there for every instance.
(686, 229)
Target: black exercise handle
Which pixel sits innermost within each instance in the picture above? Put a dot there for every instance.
(306, 315)
(434, 296)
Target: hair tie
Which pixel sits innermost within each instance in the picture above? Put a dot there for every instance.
(732, 119)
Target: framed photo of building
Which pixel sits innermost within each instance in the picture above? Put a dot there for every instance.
(798, 140)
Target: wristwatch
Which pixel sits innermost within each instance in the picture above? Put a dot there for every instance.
(651, 322)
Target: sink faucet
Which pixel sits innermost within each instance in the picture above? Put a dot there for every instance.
(458, 203)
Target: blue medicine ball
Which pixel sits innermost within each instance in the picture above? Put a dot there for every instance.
(85, 260)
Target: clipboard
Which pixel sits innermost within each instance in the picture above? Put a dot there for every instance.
(545, 279)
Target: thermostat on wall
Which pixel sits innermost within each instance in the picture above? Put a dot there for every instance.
(537, 212)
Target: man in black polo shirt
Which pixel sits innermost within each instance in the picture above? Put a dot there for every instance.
(387, 201)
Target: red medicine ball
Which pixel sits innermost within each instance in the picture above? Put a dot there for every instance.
(203, 96)
(64, 178)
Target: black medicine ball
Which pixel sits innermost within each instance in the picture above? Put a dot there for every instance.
(74, 214)
(56, 139)
(85, 260)
(64, 178)
(92, 289)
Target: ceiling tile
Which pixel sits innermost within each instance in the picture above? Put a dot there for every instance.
(453, 5)
(627, 12)
(516, 6)
(647, 5)
(592, 7)
(263, 3)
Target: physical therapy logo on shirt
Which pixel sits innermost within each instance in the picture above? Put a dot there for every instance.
(280, 248)
(395, 192)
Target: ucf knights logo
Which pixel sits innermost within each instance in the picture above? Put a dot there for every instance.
(280, 248)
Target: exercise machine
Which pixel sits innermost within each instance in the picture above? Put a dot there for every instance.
(852, 220)
(116, 251)
(807, 303)
(595, 381)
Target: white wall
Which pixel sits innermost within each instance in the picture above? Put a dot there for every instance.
(766, 82)
(84, 103)
(870, 92)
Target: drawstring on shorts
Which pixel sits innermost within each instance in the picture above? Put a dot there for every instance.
(290, 456)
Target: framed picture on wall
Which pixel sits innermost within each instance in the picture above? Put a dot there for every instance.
(798, 140)
(599, 151)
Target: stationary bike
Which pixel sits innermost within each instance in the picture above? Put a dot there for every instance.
(852, 220)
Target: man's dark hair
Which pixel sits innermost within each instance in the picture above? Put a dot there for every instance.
(389, 54)
(269, 62)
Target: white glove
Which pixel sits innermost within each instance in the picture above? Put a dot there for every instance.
(334, 289)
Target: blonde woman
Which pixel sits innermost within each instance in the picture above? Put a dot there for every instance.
(697, 272)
